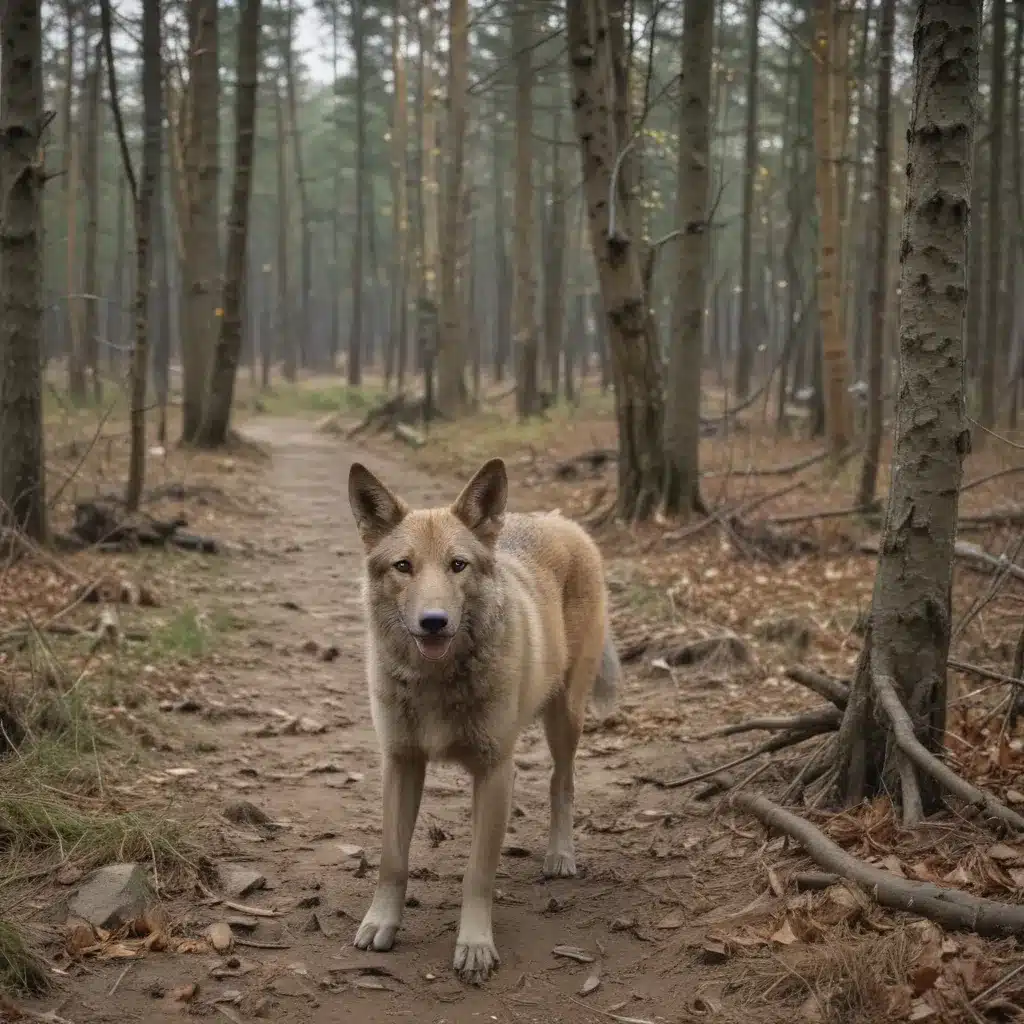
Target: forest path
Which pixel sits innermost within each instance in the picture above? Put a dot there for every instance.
(635, 845)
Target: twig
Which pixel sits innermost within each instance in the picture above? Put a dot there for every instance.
(991, 476)
(608, 1015)
(951, 908)
(997, 985)
(242, 908)
(120, 978)
(984, 673)
(832, 513)
(259, 944)
(733, 512)
(907, 741)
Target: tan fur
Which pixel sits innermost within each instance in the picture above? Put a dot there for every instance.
(523, 599)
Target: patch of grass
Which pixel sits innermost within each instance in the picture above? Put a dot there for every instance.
(21, 970)
(187, 635)
(38, 821)
(319, 399)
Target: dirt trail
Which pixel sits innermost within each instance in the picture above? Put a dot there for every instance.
(325, 789)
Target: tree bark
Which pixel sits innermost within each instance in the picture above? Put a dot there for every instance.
(356, 344)
(834, 355)
(451, 356)
(22, 471)
(992, 348)
(398, 346)
(304, 327)
(503, 286)
(229, 343)
(201, 267)
(686, 354)
(284, 333)
(908, 641)
(597, 61)
(525, 292)
(879, 258)
(555, 267)
(746, 342)
(91, 180)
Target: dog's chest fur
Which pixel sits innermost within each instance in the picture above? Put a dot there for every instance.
(447, 718)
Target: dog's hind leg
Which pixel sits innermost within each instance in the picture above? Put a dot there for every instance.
(475, 953)
(563, 725)
(403, 788)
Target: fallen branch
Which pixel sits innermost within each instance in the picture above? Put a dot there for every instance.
(832, 513)
(988, 477)
(915, 751)
(1011, 515)
(984, 673)
(827, 715)
(787, 739)
(788, 469)
(975, 556)
(594, 460)
(834, 690)
(950, 908)
(733, 512)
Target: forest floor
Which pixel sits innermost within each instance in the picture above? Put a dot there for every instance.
(246, 683)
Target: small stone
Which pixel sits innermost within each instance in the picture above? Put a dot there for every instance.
(220, 936)
(242, 812)
(239, 881)
(350, 851)
(113, 895)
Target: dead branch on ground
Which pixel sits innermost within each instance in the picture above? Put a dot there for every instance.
(98, 525)
(950, 908)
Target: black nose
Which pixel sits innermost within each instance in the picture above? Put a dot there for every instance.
(433, 621)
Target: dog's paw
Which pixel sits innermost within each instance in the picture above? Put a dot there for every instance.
(376, 933)
(476, 960)
(559, 865)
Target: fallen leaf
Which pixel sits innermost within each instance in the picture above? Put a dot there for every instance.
(592, 984)
(785, 936)
(1004, 854)
(923, 978)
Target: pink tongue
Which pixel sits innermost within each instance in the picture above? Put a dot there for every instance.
(433, 647)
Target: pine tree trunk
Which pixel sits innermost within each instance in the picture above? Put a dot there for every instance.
(746, 342)
(229, 343)
(398, 335)
(22, 470)
(160, 312)
(555, 266)
(503, 286)
(834, 355)
(427, 300)
(284, 333)
(992, 348)
(686, 353)
(909, 632)
(879, 258)
(202, 258)
(356, 342)
(91, 180)
(335, 342)
(1017, 240)
(304, 327)
(598, 61)
(451, 356)
(525, 294)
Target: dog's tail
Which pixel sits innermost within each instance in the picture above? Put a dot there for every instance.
(609, 675)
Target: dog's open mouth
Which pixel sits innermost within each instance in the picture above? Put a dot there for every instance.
(433, 648)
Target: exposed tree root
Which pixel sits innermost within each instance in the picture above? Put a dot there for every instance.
(926, 761)
(835, 690)
(950, 908)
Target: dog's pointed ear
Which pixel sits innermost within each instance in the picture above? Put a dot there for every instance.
(481, 505)
(376, 509)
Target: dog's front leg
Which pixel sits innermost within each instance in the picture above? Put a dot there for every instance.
(403, 788)
(475, 953)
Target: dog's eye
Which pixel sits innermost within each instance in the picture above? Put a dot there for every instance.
(458, 564)
(403, 565)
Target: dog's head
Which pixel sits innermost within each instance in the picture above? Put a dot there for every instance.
(430, 570)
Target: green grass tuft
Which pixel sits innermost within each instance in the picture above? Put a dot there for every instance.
(296, 399)
(21, 970)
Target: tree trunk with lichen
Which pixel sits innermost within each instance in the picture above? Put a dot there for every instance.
(22, 476)
(908, 637)
(598, 61)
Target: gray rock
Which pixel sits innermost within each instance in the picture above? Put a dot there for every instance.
(240, 881)
(113, 895)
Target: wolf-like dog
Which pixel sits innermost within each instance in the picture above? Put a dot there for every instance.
(478, 621)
